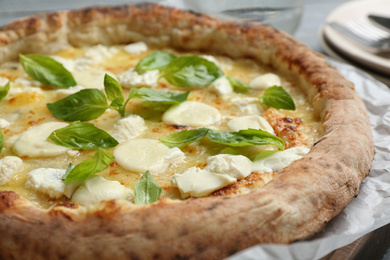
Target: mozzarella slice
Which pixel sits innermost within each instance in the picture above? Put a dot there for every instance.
(199, 183)
(128, 128)
(265, 81)
(97, 189)
(136, 48)
(34, 142)
(141, 154)
(279, 159)
(221, 86)
(91, 78)
(9, 166)
(253, 122)
(192, 113)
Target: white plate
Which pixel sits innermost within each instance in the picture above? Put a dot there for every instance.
(339, 57)
(351, 11)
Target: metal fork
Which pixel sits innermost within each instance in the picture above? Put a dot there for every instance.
(362, 32)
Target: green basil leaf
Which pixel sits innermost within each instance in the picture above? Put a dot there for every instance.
(278, 98)
(79, 135)
(113, 91)
(152, 95)
(189, 71)
(235, 139)
(97, 163)
(1, 141)
(85, 105)
(237, 85)
(146, 190)
(68, 170)
(46, 70)
(4, 90)
(153, 61)
(245, 138)
(184, 137)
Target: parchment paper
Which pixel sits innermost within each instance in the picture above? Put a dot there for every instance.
(371, 208)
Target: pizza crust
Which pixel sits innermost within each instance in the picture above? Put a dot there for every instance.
(296, 204)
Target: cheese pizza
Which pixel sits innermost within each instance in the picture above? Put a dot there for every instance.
(142, 132)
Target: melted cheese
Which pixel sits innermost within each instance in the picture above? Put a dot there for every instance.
(24, 108)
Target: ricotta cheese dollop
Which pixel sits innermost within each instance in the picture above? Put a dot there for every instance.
(221, 170)
(278, 160)
(9, 166)
(49, 181)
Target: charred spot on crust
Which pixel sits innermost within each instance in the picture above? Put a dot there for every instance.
(67, 204)
(180, 257)
(214, 205)
(7, 199)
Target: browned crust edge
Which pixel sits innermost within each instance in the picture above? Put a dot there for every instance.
(299, 201)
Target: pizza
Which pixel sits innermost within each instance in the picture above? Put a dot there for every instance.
(148, 132)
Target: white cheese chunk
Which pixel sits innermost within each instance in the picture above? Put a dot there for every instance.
(175, 156)
(35, 143)
(93, 55)
(9, 165)
(253, 122)
(192, 113)
(278, 160)
(221, 86)
(265, 81)
(247, 105)
(73, 153)
(131, 78)
(4, 123)
(141, 154)
(236, 166)
(195, 182)
(27, 83)
(97, 189)
(136, 48)
(128, 128)
(3, 81)
(221, 170)
(49, 181)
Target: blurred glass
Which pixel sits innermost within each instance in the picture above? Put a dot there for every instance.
(282, 14)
